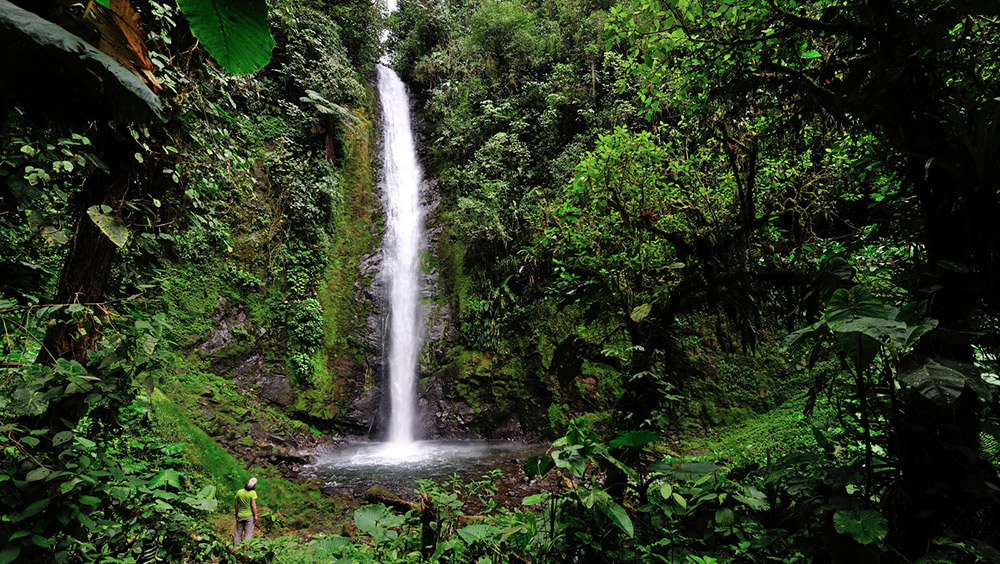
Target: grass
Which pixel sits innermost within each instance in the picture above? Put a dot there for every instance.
(776, 432)
(294, 508)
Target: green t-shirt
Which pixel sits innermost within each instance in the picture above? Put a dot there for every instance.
(243, 498)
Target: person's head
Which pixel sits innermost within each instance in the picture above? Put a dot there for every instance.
(251, 484)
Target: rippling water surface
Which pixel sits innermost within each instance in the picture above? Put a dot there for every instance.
(353, 468)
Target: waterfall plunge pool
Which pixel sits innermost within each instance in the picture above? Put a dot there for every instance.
(352, 468)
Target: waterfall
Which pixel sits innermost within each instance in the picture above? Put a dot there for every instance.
(402, 247)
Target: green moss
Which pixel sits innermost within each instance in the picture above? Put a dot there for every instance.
(210, 464)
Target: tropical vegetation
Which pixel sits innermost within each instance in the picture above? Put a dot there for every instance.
(736, 262)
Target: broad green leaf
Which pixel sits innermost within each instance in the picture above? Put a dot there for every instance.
(571, 459)
(110, 225)
(666, 490)
(167, 476)
(29, 402)
(810, 54)
(619, 517)
(90, 500)
(635, 439)
(86, 521)
(171, 449)
(806, 333)
(941, 382)
(866, 526)
(477, 532)
(68, 485)
(85, 442)
(38, 474)
(121, 493)
(592, 496)
(34, 509)
(369, 517)
(234, 32)
(537, 498)
(855, 303)
(914, 332)
(874, 327)
(9, 554)
(680, 500)
(203, 504)
(860, 349)
(687, 471)
(538, 466)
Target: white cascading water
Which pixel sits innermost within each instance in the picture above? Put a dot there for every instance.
(395, 464)
(402, 247)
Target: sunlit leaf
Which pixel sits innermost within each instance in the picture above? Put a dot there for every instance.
(167, 476)
(536, 498)
(477, 532)
(110, 225)
(641, 312)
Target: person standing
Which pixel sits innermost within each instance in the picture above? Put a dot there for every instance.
(245, 508)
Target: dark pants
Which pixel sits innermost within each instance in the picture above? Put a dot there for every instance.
(244, 530)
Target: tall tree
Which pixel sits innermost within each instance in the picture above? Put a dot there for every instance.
(919, 77)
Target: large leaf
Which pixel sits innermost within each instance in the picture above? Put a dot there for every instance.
(866, 526)
(847, 305)
(109, 224)
(941, 381)
(203, 504)
(571, 459)
(619, 517)
(641, 312)
(874, 327)
(234, 32)
(914, 332)
(536, 466)
(806, 333)
(29, 402)
(368, 517)
(167, 476)
(375, 520)
(9, 554)
(477, 532)
(859, 348)
(537, 498)
(635, 439)
(44, 66)
(591, 496)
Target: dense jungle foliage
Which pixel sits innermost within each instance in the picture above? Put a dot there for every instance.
(738, 261)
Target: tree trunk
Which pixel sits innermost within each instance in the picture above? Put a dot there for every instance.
(86, 271)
